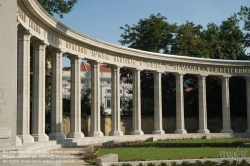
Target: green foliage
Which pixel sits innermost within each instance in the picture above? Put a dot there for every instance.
(150, 164)
(59, 7)
(245, 17)
(163, 164)
(153, 34)
(126, 164)
(189, 41)
(85, 102)
(126, 105)
(224, 41)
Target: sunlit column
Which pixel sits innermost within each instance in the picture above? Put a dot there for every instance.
(38, 103)
(226, 106)
(248, 103)
(157, 104)
(115, 102)
(136, 103)
(56, 98)
(95, 127)
(202, 105)
(180, 123)
(75, 99)
(23, 87)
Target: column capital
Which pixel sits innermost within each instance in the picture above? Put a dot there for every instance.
(115, 66)
(55, 51)
(73, 57)
(247, 78)
(157, 71)
(179, 73)
(24, 34)
(135, 69)
(225, 76)
(202, 75)
(41, 44)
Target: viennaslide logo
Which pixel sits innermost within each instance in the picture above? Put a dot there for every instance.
(237, 155)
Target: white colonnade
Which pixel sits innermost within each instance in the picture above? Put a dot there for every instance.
(38, 28)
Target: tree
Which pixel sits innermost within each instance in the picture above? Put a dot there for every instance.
(59, 7)
(245, 16)
(150, 34)
(189, 41)
(225, 41)
(153, 34)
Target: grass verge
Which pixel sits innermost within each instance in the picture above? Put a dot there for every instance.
(153, 153)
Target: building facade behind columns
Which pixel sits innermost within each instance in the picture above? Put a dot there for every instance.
(105, 87)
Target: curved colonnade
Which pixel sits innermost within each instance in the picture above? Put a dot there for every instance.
(41, 30)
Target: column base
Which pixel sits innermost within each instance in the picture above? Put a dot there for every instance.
(75, 135)
(206, 131)
(116, 133)
(59, 137)
(180, 131)
(158, 132)
(137, 132)
(95, 134)
(18, 141)
(226, 131)
(40, 137)
(27, 138)
(247, 131)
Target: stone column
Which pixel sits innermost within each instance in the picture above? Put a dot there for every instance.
(75, 99)
(23, 87)
(136, 103)
(180, 123)
(56, 98)
(248, 103)
(157, 104)
(38, 103)
(226, 106)
(95, 126)
(202, 105)
(115, 102)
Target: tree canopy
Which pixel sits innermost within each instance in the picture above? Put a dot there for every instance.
(224, 41)
(59, 7)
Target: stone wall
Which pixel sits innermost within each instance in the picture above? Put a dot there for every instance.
(238, 124)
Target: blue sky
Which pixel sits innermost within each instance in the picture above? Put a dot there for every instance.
(101, 19)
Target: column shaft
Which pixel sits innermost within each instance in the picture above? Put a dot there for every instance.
(56, 98)
(248, 103)
(226, 106)
(75, 99)
(23, 87)
(157, 104)
(95, 127)
(136, 103)
(202, 105)
(180, 123)
(115, 102)
(38, 104)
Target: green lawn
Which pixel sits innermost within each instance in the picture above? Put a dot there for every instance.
(214, 140)
(153, 153)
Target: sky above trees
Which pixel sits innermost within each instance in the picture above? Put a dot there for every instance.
(102, 19)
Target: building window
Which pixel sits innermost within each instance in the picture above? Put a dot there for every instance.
(69, 81)
(108, 91)
(120, 91)
(83, 81)
(108, 103)
(69, 90)
(108, 82)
